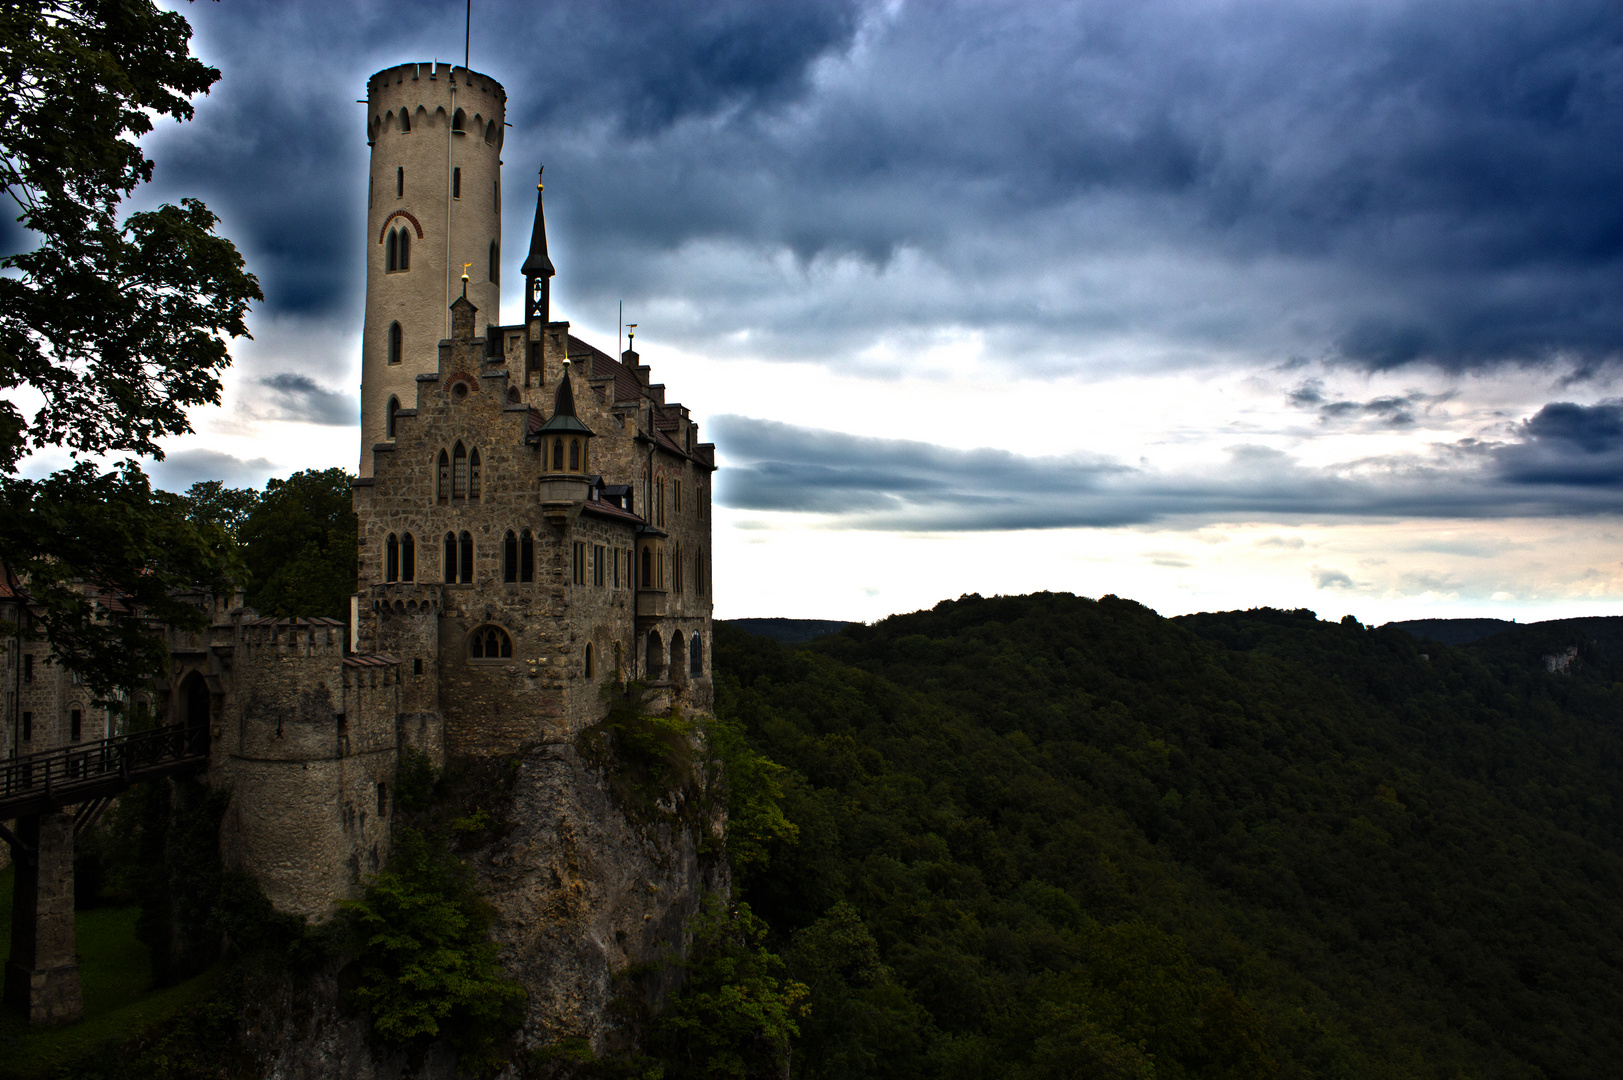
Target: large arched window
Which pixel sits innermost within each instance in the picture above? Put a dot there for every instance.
(490, 643)
(459, 471)
(475, 474)
(396, 343)
(465, 559)
(444, 492)
(510, 557)
(405, 248)
(526, 556)
(389, 412)
(696, 656)
(408, 558)
(391, 252)
(449, 560)
(495, 263)
(391, 558)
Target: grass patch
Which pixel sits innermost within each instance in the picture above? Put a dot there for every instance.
(115, 971)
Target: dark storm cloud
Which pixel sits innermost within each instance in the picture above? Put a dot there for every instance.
(1379, 185)
(1570, 462)
(299, 397)
(1569, 444)
(182, 469)
(1391, 411)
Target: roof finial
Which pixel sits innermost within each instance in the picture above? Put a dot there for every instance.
(465, 279)
(631, 336)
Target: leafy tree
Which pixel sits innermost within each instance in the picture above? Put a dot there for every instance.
(736, 1014)
(118, 325)
(210, 502)
(427, 964)
(299, 543)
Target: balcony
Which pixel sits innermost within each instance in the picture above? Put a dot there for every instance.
(652, 603)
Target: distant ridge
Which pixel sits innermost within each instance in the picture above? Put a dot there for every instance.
(789, 631)
(1453, 631)
(1464, 631)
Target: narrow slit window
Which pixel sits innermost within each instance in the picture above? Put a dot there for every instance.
(456, 182)
(574, 455)
(445, 477)
(405, 248)
(408, 558)
(557, 455)
(459, 472)
(396, 343)
(475, 474)
(389, 413)
(495, 263)
(400, 183)
(588, 659)
(391, 252)
(465, 563)
(75, 726)
(391, 558)
(450, 558)
(526, 556)
(510, 557)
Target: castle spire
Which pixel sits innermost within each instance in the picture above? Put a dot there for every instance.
(537, 268)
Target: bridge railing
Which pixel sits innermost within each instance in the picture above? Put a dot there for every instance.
(52, 778)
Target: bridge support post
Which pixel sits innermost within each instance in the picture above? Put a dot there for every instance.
(42, 976)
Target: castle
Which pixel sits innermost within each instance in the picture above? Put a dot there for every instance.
(534, 523)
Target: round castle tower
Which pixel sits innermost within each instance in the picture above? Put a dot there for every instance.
(433, 206)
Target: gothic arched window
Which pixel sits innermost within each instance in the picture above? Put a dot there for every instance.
(588, 659)
(450, 558)
(647, 568)
(389, 414)
(405, 120)
(526, 556)
(391, 558)
(490, 643)
(459, 121)
(510, 557)
(459, 472)
(408, 558)
(391, 252)
(696, 656)
(465, 562)
(557, 455)
(405, 248)
(444, 492)
(475, 474)
(396, 343)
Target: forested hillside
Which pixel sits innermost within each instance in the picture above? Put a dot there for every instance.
(1046, 836)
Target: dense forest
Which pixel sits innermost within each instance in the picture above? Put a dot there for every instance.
(1046, 836)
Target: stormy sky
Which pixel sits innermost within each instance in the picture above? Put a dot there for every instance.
(1209, 304)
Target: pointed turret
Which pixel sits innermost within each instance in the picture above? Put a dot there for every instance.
(537, 268)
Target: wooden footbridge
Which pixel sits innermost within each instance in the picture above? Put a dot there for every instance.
(36, 790)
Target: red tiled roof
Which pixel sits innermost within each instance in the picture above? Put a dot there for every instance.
(614, 513)
(370, 660)
(627, 387)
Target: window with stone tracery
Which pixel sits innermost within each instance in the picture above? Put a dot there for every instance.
(490, 643)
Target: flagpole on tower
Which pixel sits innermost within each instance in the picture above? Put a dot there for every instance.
(467, 31)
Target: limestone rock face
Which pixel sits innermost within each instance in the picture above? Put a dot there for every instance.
(582, 893)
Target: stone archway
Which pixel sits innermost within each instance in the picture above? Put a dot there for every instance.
(194, 707)
(654, 668)
(679, 660)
